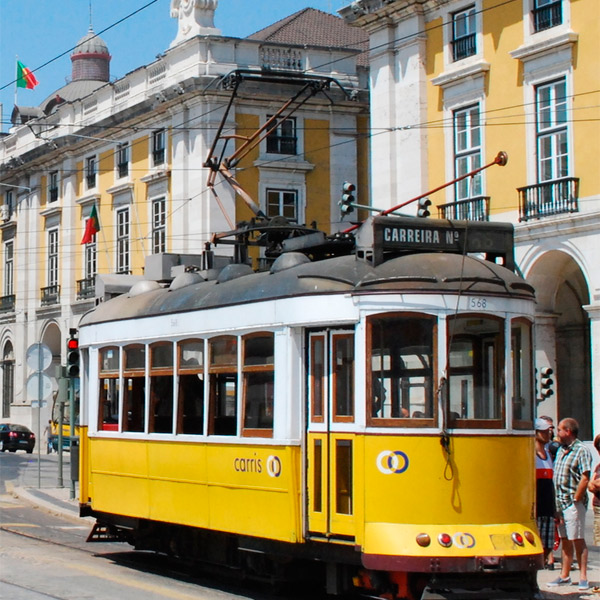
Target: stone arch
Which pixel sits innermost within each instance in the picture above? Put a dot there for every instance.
(563, 335)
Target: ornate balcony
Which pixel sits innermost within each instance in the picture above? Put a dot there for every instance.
(7, 303)
(472, 209)
(50, 295)
(550, 198)
(86, 288)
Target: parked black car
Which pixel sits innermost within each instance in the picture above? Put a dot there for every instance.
(16, 437)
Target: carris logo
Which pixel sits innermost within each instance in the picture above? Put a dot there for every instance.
(274, 466)
(392, 462)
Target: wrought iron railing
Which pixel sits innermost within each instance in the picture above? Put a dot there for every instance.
(549, 198)
(86, 288)
(7, 303)
(547, 16)
(50, 295)
(463, 47)
(472, 209)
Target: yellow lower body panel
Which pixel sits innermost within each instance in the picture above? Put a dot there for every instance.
(244, 489)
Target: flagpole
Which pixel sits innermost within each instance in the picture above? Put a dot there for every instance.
(16, 78)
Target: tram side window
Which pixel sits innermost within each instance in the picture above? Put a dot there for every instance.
(317, 377)
(343, 376)
(401, 351)
(108, 405)
(134, 392)
(475, 355)
(161, 388)
(522, 374)
(223, 386)
(258, 378)
(190, 408)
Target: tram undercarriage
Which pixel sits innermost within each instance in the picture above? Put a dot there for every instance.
(334, 568)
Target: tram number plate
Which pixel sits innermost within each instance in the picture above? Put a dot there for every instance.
(478, 303)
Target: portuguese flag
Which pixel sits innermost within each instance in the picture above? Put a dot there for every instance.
(25, 78)
(92, 227)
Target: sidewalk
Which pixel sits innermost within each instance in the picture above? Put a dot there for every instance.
(57, 501)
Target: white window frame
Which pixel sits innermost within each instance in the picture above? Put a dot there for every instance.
(53, 184)
(123, 151)
(159, 225)
(9, 268)
(123, 229)
(554, 131)
(90, 259)
(281, 192)
(89, 173)
(53, 257)
(447, 15)
(471, 187)
(469, 17)
(158, 134)
(531, 35)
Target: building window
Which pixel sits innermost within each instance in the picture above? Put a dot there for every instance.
(283, 138)
(9, 249)
(123, 240)
(8, 379)
(123, 160)
(53, 186)
(158, 147)
(546, 14)
(282, 202)
(91, 259)
(467, 151)
(551, 131)
(463, 34)
(159, 226)
(90, 172)
(53, 258)
(9, 206)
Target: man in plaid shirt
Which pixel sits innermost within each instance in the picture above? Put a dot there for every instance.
(571, 476)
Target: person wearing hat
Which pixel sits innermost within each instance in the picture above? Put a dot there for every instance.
(545, 508)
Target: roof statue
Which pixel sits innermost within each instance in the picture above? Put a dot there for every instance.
(195, 17)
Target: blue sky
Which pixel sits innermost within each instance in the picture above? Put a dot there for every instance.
(38, 31)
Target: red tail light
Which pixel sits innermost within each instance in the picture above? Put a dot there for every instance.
(12, 434)
(32, 436)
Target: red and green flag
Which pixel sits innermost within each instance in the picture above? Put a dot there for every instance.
(92, 227)
(25, 78)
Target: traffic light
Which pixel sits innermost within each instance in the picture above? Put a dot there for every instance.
(347, 201)
(546, 382)
(73, 354)
(423, 209)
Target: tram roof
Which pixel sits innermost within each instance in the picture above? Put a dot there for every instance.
(293, 275)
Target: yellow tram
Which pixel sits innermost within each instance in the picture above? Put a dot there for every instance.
(363, 407)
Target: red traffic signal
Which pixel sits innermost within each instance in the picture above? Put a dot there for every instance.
(73, 356)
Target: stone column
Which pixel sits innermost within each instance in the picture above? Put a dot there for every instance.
(593, 311)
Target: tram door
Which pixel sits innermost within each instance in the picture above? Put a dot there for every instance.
(330, 437)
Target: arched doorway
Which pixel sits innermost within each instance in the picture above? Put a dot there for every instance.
(562, 292)
(8, 378)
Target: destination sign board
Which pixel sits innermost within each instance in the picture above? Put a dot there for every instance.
(389, 234)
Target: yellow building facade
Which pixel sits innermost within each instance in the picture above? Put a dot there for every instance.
(454, 82)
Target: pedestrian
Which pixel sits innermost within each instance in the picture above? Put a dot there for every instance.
(553, 444)
(571, 477)
(594, 487)
(545, 507)
(48, 434)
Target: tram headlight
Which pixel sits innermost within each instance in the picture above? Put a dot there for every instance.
(423, 540)
(517, 538)
(445, 540)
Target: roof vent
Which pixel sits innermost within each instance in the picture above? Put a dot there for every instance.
(184, 279)
(234, 271)
(289, 260)
(141, 287)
